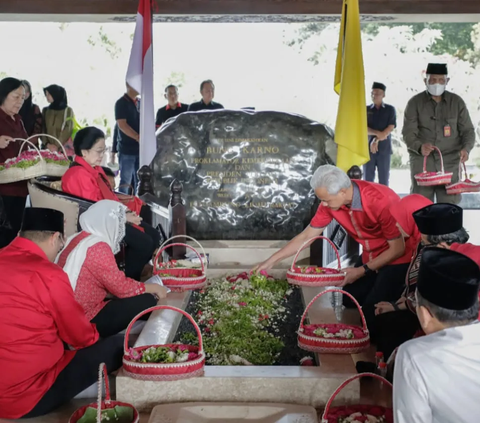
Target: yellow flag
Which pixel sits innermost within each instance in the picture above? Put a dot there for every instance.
(351, 134)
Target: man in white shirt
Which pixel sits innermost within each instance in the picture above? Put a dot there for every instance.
(437, 376)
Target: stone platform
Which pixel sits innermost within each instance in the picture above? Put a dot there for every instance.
(288, 384)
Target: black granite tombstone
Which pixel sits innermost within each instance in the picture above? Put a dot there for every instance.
(245, 174)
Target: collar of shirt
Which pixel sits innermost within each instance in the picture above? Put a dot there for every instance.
(178, 105)
(27, 245)
(446, 96)
(90, 169)
(372, 106)
(357, 199)
(209, 104)
(130, 99)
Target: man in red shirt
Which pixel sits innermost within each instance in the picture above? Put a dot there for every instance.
(362, 208)
(44, 359)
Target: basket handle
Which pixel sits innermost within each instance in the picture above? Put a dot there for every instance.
(53, 138)
(102, 377)
(441, 161)
(161, 250)
(162, 307)
(31, 145)
(308, 242)
(182, 236)
(364, 322)
(345, 383)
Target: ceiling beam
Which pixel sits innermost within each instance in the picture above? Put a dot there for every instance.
(237, 7)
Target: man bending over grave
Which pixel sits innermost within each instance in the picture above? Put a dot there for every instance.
(362, 208)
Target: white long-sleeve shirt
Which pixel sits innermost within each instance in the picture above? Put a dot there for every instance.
(437, 378)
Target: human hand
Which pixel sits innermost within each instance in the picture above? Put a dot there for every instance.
(427, 149)
(374, 146)
(161, 291)
(133, 218)
(401, 301)
(381, 136)
(4, 141)
(383, 307)
(266, 265)
(113, 158)
(464, 156)
(352, 274)
(52, 147)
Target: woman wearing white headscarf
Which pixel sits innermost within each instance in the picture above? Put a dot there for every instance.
(89, 261)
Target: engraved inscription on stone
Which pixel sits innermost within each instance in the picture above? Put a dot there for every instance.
(246, 175)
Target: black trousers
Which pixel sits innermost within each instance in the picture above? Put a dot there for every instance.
(386, 285)
(140, 248)
(80, 373)
(395, 328)
(13, 208)
(118, 313)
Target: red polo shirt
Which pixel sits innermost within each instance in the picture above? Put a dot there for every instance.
(38, 313)
(368, 220)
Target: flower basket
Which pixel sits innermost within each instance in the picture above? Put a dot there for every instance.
(134, 367)
(180, 278)
(344, 414)
(429, 179)
(10, 173)
(333, 338)
(312, 275)
(56, 164)
(104, 407)
(462, 186)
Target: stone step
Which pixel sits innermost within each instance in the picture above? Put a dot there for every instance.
(245, 253)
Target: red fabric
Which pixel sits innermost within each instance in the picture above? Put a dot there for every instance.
(13, 128)
(372, 226)
(92, 184)
(471, 251)
(38, 312)
(178, 105)
(99, 276)
(403, 214)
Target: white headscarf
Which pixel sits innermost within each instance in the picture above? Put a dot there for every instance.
(105, 222)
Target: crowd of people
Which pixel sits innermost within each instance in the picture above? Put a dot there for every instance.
(437, 128)
(417, 281)
(64, 300)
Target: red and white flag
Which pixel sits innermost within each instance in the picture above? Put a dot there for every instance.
(140, 78)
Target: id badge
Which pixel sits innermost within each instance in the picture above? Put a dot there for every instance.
(447, 131)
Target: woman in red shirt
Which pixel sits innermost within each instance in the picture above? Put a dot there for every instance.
(89, 261)
(86, 179)
(14, 194)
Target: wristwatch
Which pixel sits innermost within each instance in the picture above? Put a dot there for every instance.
(367, 269)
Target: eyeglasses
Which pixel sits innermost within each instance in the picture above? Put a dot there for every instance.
(99, 152)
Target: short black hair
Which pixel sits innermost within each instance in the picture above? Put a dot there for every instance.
(170, 86)
(108, 171)
(207, 81)
(460, 237)
(7, 85)
(447, 316)
(36, 236)
(86, 138)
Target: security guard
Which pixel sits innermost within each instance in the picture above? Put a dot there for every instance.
(382, 121)
(437, 118)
